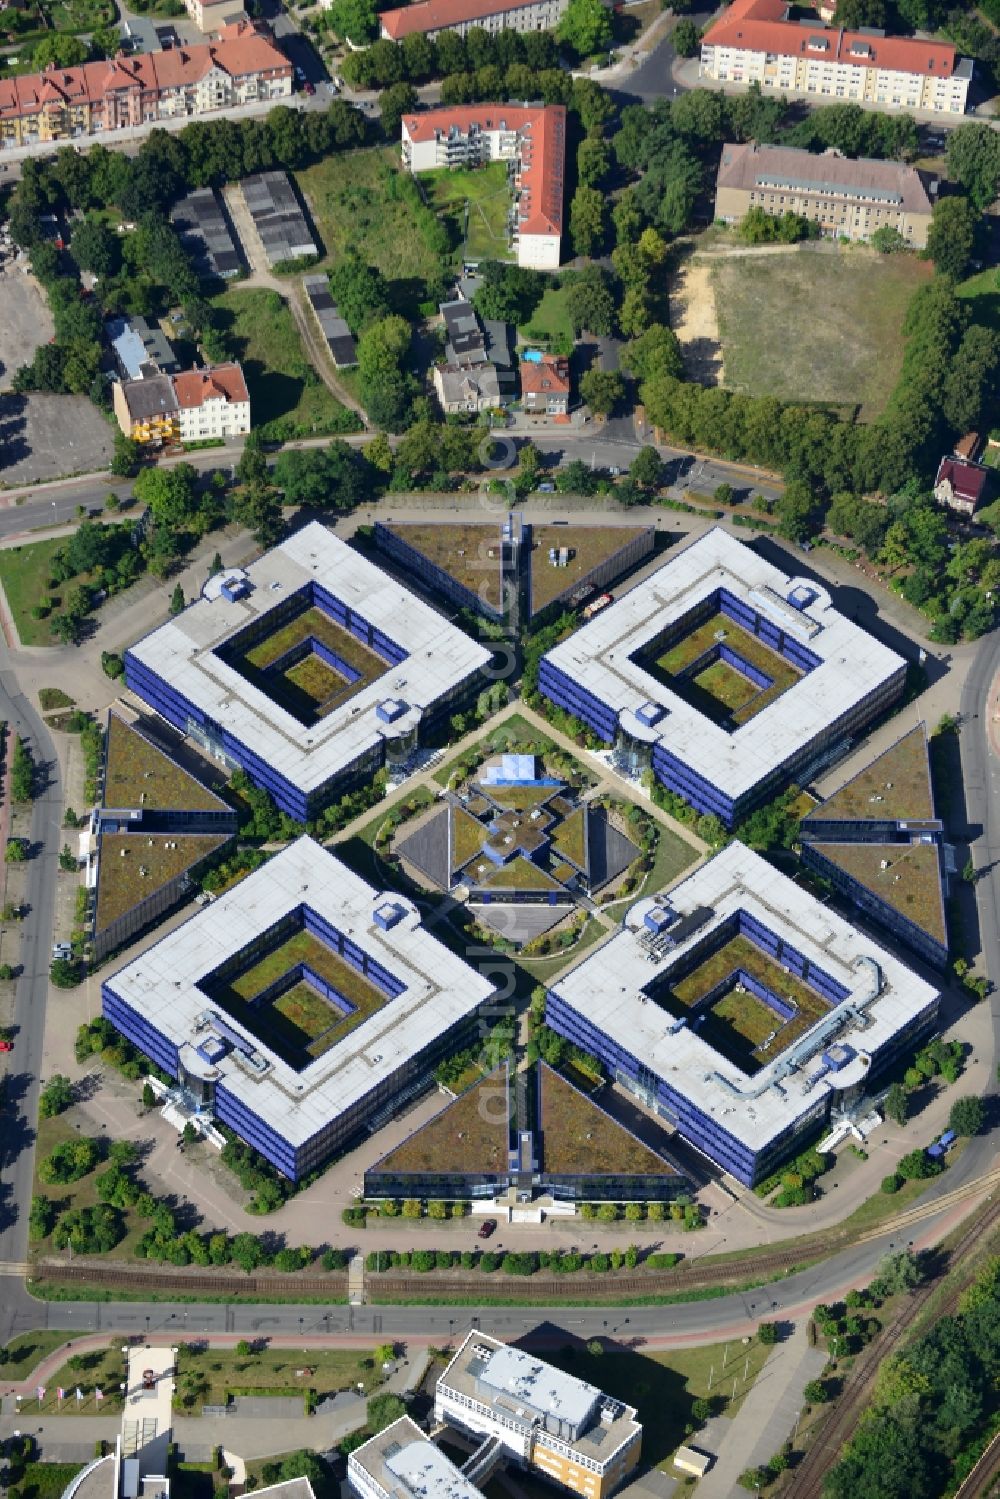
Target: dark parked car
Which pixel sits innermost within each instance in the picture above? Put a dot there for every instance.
(487, 1228)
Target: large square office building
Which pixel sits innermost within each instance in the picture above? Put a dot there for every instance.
(298, 1007)
(726, 676)
(308, 671)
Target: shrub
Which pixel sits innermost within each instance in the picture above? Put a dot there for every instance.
(891, 1183)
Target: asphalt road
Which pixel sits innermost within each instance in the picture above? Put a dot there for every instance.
(19, 1103)
(57, 504)
(19, 1313)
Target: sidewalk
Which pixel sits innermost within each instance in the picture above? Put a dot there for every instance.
(766, 1417)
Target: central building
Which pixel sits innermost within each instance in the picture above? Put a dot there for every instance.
(725, 676)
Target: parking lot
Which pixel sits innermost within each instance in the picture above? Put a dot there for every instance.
(25, 322)
(45, 436)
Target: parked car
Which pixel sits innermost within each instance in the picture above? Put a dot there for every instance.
(6, 1046)
(487, 1228)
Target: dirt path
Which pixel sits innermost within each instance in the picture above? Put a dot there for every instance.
(290, 291)
(694, 320)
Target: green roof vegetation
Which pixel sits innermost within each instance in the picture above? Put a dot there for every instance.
(910, 883)
(738, 1024)
(316, 622)
(469, 553)
(519, 874)
(896, 786)
(138, 774)
(570, 837)
(720, 691)
(133, 866)
(471, 1135)
(467, 837)
(310, 688)
(300, 1025)
(589, 546)
(580, 1139)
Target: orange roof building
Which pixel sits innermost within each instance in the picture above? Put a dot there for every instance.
(188, 407)
(243, 66)
(545, 385)
(431, 17)
(755, 42)
(531, 136)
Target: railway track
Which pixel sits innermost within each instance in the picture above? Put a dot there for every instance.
(835, 1431)
(982, 1480)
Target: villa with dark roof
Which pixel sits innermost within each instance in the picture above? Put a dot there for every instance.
(878, 841)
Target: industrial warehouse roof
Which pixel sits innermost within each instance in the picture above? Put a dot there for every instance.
(278, 217)
(853, 665)
(439, 989)
(183, 652)
(609, 989)
(205, 234)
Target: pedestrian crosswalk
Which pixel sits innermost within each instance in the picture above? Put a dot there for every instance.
(18, 1269)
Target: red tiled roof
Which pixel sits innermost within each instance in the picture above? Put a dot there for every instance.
(195, 387)
(759, 26)
(433, 15)
(968, 480)
(545, 376)
(542, 132)
(241, 50)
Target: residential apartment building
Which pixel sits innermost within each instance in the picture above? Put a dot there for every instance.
(243, 66)
(848, 199)
(545, 385)
(531, 137)
(466, 390)
(960, 484)
(544, 1420)
(212, 15)
(212, 402)
(755, 42)
(187, 407)
(431, 17)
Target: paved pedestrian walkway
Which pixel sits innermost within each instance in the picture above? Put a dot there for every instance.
(766, 1418)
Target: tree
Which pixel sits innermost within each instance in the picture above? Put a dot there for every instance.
(16, 851)
(383, 1410)
(354, 20)
(897, 1105)
(593, 160)
(65, 973)
(585, 27)
(590, 304)
(816, 1392)
(974, 162)
(124, 459)
(587, 220)
(796, 510)
(646, 468)
(951, 236)
(148, 1096)
(112, 665)
(248, 1252)
(95, 248)
(655, 352)
(509, 293)
(602, 390)
(305, 1464)
(62, 50)
(177, 600)
(967, 1116)
(359, 291)
(170, 493)
(686, 39)
(387, 388)
(397, 100)
(767, 1333)
(55, 1097)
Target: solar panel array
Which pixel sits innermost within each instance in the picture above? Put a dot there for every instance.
(277, 217)
(206, 235)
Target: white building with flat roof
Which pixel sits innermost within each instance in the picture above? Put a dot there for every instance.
(815, 681)
(378, 1000)
(394, 666)
(843, 1010)
(542, 1418)
(401, 1462)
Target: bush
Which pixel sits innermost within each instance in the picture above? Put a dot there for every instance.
(967, 1116)
(767, 1333)
(891, 1183)
(816, 1392)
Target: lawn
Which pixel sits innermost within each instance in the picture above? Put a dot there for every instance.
(984, 294)
(514, 730)
(364, 201)
(827, 327)
(284, 387)
(301, 1025)
(24, 573)
(484, 194)
(549, 326)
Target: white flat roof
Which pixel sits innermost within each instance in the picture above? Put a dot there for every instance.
(182, 653)
(440, 989)
(853, 665)
(608, 989)
(524, 1378)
